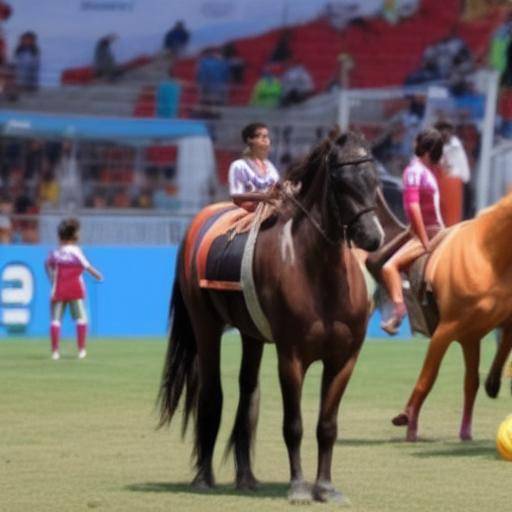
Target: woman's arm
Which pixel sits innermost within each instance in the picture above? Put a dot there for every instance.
(95, 273)
(417, 223)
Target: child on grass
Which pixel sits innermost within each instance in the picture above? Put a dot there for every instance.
(64, 267)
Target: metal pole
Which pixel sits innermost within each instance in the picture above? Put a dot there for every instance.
(346, 65)
(484, 171)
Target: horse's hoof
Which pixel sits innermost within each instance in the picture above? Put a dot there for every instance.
(492, 387)
(465, 436)
(202, 483)
(401, 420)
(247, 483)
(326, 493)
(300, 493)
(411, 436)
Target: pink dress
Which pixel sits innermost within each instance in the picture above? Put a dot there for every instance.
(67, 264)
(420, 186)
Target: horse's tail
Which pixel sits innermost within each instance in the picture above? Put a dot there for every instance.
(180, 368)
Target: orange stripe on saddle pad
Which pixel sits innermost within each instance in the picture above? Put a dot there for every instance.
(193, 232)
(220, 227)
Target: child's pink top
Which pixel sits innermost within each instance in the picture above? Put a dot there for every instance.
(67, 264)
(420, 186)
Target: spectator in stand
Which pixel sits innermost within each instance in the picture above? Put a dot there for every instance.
(165, 198)
(267, 91)
(65, 266)
(176, 39)
(449, 59)
(393, 11)
(282, 51)
(297, 84)
(121, 198)
(454, 174)
(49, 190)
(498, 47)
(26, 61)
(235, 63)
(212, 77)
(26, 228)
(104, 63)
(68, 175)
(5, 219)
(5, 13)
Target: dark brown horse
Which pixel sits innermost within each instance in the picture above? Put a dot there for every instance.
(313, 295)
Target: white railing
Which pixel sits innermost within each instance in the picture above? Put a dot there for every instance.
(123, 227)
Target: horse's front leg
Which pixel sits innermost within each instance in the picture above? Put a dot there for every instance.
(435, 353)
(291, 377)
(334, 382)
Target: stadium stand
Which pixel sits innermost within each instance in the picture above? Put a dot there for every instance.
(383, 55)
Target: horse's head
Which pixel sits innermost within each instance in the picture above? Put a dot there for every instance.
(339, 179)
(352, 184)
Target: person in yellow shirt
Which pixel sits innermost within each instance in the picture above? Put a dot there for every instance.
(49, 190)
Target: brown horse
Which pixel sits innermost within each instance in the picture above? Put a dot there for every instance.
(470, 273)
(313, 294)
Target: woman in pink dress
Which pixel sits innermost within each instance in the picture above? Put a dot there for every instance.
(64, 267)
(421, 204)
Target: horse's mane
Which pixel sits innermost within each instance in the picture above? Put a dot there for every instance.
(313, 165)
(303, 172)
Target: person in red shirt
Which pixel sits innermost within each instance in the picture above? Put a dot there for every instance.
(65, 266)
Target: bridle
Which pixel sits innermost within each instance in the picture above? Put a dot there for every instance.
(348, 225)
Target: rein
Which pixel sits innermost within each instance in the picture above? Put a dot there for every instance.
(319, 228)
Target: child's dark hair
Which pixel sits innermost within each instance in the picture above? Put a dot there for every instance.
(429, 142)
(250, 131)
(68, 229)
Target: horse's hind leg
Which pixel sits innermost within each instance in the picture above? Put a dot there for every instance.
(493, 380)
(334, 381)
(246, 420)
(291, 378)
(208, 331)
(471, 351)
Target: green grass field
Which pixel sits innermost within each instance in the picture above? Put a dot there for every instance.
(80, 435)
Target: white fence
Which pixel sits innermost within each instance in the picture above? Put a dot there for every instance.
(117, 229)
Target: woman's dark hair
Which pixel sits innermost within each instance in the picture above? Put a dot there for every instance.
(446, 129)
(429, 142)
(68, 229)
(250, 131)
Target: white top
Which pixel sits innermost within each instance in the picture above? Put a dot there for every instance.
(243, 177)
(454, 160)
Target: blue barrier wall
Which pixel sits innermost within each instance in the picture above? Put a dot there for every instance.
(133, 300)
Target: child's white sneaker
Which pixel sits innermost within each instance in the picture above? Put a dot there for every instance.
(82, 354)
(55, 355)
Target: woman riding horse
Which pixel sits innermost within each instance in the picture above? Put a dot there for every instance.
(421, 201)
(313, 297)
(254, 173)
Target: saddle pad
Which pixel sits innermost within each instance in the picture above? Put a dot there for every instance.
(223, 263)
(219, 253)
